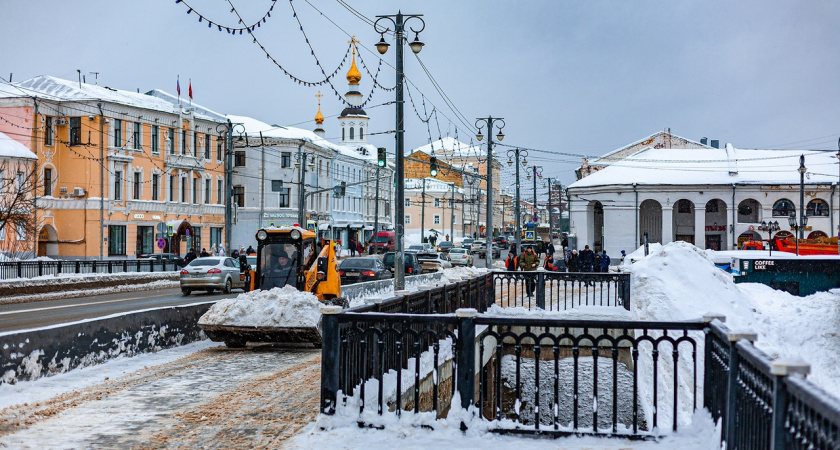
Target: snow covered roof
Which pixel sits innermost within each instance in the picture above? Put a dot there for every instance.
(10, 148)
(10, 90)
(643, 141)
(710, 166)
(200, 111)
(53, 88)
(254, 126)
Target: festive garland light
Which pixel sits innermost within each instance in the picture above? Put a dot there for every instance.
(230, 30)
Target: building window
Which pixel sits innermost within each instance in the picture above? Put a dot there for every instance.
(145, 240)
(387, 209)
(219, 185)
(361, 133)
(351, 133)
(783, 208)
(207, 190)
(285, 160)
(239, 196)
(117, 133)
(817, 207)
(48, 182)
(284, 198)
(155, 139)
(712, 206)
(219, 141)
(21, 231)
(118, 185)
(171, 188)
(135, 137)
(48, 132)
(137, 185)
(20, 180)
(408, 219)
(408, 203)
(116, 240)
(239, 158)
(437, 203)
(183, 188)
(155, 185)
(207, 142)
(342, 133)
(196, 237)
(436, 220)
(195, 144)
(184, 149)
(195, 191)
(75, 131)
(215, 237)
(171, 139)
(684, 206)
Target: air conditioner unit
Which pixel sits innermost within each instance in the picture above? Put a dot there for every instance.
(61, 122)
(78, 192)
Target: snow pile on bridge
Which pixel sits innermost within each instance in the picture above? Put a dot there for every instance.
(284, 307)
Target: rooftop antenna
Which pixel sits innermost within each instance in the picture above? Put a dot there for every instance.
(10, 77)
(79, 71)
(96, 77)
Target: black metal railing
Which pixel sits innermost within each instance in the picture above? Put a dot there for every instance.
(557, 291)
(473, 293)
(31, 269)
(764, 403)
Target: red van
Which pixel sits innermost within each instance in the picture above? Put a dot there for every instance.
(385, 241)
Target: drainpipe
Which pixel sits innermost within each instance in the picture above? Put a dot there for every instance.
(101, 181)
(636, 236)
(734, 208)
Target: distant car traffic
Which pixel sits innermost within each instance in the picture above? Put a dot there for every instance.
(476, 245)
(460, 257)
(416, 248)
(410, 262)
(433, 261)
(357, 270)
(444, 246)
(211, 273)
(467, 243)
(169, 257)
(502, 241)
(496, 251)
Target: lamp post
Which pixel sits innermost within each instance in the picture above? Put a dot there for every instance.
(797, 227)
(537, 173)
(399, 21)
(770, 227)
(517, 153)
(302, 159)
(479, 123)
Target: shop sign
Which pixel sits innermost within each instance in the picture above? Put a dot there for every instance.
(139, 216)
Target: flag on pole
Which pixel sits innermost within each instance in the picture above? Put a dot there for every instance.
(178, 86)
(191, 89)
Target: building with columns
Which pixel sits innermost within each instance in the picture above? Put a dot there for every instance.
(714, 198)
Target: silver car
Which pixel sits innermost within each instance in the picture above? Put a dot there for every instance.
(211, 273)
(460, 257)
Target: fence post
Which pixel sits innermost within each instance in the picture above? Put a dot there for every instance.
(466, 357)
(330, 358)
(780, 369)
(20, 269)
(732, 384)
(625, 291)
(540, 291)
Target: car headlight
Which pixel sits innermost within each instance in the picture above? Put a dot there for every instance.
(261, 235)
(295, 234)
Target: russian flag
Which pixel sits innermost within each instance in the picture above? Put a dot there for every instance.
(191, 89)
(178, 86)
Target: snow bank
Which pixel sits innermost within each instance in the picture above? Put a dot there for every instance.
(284, 306)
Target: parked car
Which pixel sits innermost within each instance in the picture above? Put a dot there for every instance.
(467, 243)
(357, 270)
(502, 241)
(211, 273)
(412, 265)
(433, 261)
(164, 257)
(496, 251)
(460, 257)
(444, 246)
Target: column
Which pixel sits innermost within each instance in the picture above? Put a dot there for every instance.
(700, 226)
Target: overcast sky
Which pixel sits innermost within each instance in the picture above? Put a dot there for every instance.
(569, 78)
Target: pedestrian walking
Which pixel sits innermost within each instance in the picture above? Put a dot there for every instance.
(565, 243)
(251, 251)
(190, 256)
(352, 246)
(574, 262)
(587, 259)
(528, 262)
(360, 248)
(549, 249)
(605, 262)
(549, 264)
(512, 262)
(235, 254)
(221, 251)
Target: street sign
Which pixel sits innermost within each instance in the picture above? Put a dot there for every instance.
(161, 227)
(530, 235)
(161, 243)
(188, 231)
(169, 230)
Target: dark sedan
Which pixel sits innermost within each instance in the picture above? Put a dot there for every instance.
(444, 247)
(357, 270)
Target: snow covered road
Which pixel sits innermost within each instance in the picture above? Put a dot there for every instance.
(198, 396)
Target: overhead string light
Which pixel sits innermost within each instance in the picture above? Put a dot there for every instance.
(375, 77)
(20, 126)
(230, 30)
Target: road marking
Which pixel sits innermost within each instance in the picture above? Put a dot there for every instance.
(77, 305)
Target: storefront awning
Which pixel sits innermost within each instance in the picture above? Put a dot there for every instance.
(324, 227)
(368, 227)
(357, 225)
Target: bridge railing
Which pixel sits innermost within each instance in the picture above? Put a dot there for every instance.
(38, 268)
(558, 291)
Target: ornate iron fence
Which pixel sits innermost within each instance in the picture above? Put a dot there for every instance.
(557, 291)
(31, 269)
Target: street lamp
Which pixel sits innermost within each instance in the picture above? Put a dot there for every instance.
(479, 123)
(537, 173)
(228, 129)
(798, 228)
(770, 227)
(517, 153)
(399, 21)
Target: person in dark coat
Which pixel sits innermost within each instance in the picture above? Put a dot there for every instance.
(587, 259)
(549, 249)
(605, 262)
(574, 262)
(251, 251)
(352, 247)
(204, 253)
(190, 256)
(565, 242)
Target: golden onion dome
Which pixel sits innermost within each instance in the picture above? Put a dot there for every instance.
(353, 75)
(319, 118)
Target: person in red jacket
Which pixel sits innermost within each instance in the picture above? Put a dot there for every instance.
(549, 265)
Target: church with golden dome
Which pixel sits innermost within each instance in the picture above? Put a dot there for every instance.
(353, 120)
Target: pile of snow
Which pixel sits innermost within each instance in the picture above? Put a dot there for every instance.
(286, 307)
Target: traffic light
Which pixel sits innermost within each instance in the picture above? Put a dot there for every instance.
(433, 169)
(339, 190)
(343, 188)
(380, 156)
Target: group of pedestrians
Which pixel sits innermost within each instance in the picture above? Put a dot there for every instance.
(586, 261)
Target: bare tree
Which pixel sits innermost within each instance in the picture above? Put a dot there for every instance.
(17, 207)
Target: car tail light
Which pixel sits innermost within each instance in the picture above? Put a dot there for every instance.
(410, 269)
(341, 272)
(184, 272)
(214, 270)
(369, 273)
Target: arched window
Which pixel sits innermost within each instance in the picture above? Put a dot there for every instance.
(361, 132)
(817, 207)
(351, 133)
(342, 133)
(783, 208)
